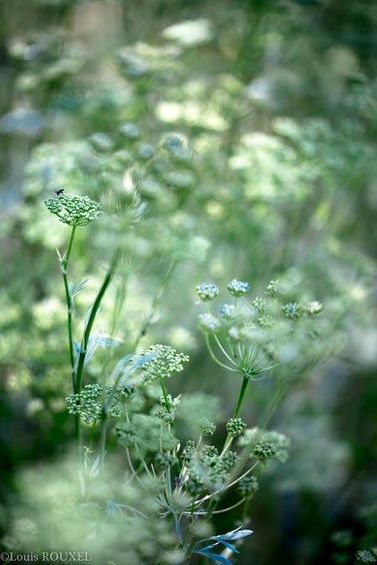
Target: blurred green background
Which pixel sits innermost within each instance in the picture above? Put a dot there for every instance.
(278, 102)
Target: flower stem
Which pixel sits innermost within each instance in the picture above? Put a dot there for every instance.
(236, 413)
(147, 320)
(212, 354)
(87, 331)
(69, 301)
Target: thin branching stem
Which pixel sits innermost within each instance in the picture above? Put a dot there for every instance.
(155, 302)
(275, 401)
(205, 513)
(226, 487)
(226, 354)
(212, 354)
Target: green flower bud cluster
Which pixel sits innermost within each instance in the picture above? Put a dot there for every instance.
(235, 427)
(206, 427)
(273, 288)
(256, 436)
(207, 470)
(264, 451)
(169, 401)
(188, 451)
(248, 486)
(164, 460)
(210, 451)
(126, 433)
(165, 362)
(91, 404)
(228, 460)
(167, 409)
(259, 304)
(164, 415)
(73, 210)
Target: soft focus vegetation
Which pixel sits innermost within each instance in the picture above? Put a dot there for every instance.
(217, 141)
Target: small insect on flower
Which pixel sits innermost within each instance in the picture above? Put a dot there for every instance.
(59, 191)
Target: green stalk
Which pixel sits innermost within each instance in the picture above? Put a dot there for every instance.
(164, 394)
(271, 408)
(236, 413)
(64, 266)
(87, 331)
(156, 300)
(141, 333)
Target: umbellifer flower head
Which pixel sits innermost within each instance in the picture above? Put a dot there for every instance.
(314, 307)
(227, 311)
(166, 362)
(207, 291)
(208, 322)
(292, 310)
(238, 288)
(73, 210)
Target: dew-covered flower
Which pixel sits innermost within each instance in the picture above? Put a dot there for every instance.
(73, 210)
(238, 288)
(209, 322)
(207, 291)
